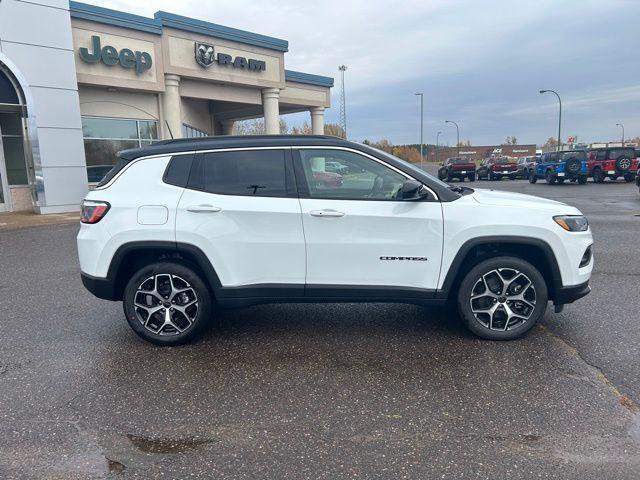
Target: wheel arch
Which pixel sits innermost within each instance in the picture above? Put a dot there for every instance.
(536, 251)
(132, 256)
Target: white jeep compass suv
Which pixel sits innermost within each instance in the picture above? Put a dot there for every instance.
(182, 228)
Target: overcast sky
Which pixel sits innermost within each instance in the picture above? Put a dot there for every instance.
(480, 63)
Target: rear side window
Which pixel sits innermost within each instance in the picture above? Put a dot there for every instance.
(120, 164)
(261, 173)
(177, 172)
(621, 152)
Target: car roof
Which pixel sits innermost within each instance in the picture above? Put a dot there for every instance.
(233, 141)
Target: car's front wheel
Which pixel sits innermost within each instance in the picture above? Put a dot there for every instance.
(533, 178)
(167, 303)
(502, 298)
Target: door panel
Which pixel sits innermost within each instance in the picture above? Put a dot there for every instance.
(249, 239)
(357, 233)
(373, 243)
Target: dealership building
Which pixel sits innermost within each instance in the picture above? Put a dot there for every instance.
(79, 83)
(480, 152)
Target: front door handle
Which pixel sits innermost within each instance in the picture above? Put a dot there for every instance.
(326, 213)
(203, 208)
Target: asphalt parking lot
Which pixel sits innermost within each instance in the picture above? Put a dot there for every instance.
(322, 391)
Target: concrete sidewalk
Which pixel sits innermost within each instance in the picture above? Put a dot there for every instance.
(20, 220)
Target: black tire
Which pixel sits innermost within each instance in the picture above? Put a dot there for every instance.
(180, 277)
(470, 284)
(629, 177)
(582, 179)
(472, 177)
(533, 178)
(549, 177)
(560, 180)
(598, 175)
(512, 177)
(613, 178)
(441, 175)
(449, 178)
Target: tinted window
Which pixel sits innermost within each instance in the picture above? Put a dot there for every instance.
(580, 155)
(178, 170)
(621, 152)
(601, 154)
(364, 179)
(252, 172)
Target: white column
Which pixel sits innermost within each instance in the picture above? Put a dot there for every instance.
(171, 106)
(271, 108)
(317, 120)
(227, 127)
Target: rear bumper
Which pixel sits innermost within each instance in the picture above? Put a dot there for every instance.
(100, 287)
(571, 294)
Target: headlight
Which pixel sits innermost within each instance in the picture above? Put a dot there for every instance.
(572, 223)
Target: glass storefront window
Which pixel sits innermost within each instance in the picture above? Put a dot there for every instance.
(105, 137)
(13, 148)
(190, 132)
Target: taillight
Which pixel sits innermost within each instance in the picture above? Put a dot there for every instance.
(93, 211)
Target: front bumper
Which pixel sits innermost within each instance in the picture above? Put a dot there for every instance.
(570, 294)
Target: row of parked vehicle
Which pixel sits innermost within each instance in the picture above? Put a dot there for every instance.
(553, 167)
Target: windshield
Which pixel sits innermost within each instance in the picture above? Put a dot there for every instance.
(410, 166)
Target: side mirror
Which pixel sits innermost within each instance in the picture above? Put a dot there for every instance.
(413, 190)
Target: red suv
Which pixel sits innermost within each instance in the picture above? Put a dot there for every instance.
(612, 162)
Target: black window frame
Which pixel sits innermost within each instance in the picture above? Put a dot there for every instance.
(290, 182)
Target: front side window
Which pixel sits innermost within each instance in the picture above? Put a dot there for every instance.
(259, 173)
(363, 179)
(601, 154)
(105, 137)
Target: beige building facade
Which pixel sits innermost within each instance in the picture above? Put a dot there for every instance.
(136, 80)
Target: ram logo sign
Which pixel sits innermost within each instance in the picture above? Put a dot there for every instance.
(206, 56)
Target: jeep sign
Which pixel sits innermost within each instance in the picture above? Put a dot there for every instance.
(127, 58)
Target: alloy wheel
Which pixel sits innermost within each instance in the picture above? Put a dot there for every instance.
(166, 304)
(503, 299)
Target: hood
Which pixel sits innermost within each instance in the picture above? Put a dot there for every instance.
(500, 198)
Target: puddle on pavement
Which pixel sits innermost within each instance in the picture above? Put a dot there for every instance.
(151, 445)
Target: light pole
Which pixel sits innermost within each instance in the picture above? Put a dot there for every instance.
(437, 144)
(421, 95)
(621, 126)
(457, 135)
(559, 115)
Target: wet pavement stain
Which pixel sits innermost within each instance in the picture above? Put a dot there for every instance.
(115, 466)
(151, 445)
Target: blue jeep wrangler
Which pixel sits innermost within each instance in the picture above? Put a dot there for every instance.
(560, 166)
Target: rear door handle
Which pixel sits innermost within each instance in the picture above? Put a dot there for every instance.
(326, 213)
(203, 208)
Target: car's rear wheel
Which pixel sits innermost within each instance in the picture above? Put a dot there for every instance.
(582, 179)
(598, 175)
(472, 177)
(533, 178)
(502, 298)
(550, 178)
(628, 177)
(167, 303)
(560, 180)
